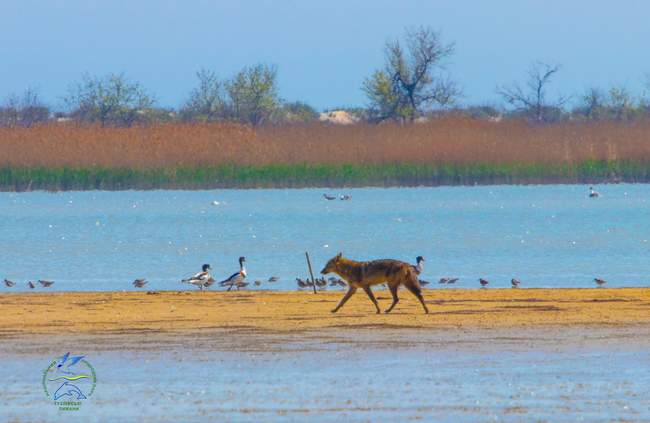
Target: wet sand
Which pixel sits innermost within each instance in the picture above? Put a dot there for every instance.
(189, 311)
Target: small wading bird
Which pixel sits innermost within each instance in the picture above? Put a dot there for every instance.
(9, 283)
(237, 278)
(201, 278)
(258, 283)
(31, 285)
(273, 279)
(515, 282)
(45, 284)
(484, 282)
(139, 283)
(600, 282)
(329, 197)
(593, 193)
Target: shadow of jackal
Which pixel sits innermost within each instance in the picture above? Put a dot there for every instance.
(367, 273)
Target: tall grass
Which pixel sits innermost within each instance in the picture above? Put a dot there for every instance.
(445, 151)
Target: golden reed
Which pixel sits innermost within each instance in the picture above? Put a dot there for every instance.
(446, 140)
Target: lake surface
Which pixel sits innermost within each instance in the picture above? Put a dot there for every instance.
(455, 376)
(547, 236)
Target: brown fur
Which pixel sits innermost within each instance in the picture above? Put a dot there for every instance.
(365, 274)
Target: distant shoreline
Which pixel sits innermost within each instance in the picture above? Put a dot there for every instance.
(17, 179)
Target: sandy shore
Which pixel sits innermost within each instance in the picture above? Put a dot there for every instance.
(184, 311)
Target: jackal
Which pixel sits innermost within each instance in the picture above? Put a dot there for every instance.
(367, 273)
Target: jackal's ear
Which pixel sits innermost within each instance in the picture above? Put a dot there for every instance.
(339, 255)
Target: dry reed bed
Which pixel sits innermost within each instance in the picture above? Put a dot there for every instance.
(448, 140)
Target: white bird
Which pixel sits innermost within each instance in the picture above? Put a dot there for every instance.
(237, 278)
(200, 279)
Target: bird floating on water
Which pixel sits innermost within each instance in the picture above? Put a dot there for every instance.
(345, 197)
(237, 278)
(593, 193)
(484, 282)
(139, 283)
(329, 197)
(9, 283)
(600, 282)
(45, 284)
(258, 283)
(515, 282)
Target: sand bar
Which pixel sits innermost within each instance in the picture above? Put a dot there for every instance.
(172, 311)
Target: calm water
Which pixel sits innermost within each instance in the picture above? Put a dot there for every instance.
(548, 236)
(429, 381)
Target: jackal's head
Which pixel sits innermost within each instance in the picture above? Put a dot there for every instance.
(331, 265)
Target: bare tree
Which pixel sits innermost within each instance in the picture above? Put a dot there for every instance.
(593, 104)
(206, 100)
(621, 103)
(411, 80)
(111, 100)
(24, 110)
(532, 99)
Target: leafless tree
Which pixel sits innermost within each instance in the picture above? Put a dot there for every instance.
(206, 100)
(532, 99)
(24, 110)
(412, 79)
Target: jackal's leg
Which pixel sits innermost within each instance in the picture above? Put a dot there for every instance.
(351, 291)
(418, 293)
(372, 298)
(393, 292)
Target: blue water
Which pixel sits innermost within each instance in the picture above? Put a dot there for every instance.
(511, 381)
(547, 236)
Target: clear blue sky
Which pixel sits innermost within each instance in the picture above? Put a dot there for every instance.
(323, 49)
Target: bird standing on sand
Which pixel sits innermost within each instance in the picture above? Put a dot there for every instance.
(237, 278)
(139, 283)
(201, 278)
(45, 284)
(301, 283)
(600, 282)
(484, 282)
(9, 283)
(273, 279)
(451, 280)
(593, 193)
(419, 266)
(515, 282)
(31, 285)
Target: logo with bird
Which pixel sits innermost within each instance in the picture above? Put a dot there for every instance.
(69, 380)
